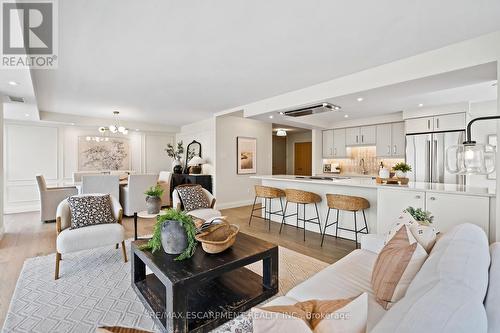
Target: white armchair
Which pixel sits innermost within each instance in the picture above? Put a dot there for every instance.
(89, 237)
(132, 195)
(202, 213)
(50, 197)
(106, 184)
(164, 183)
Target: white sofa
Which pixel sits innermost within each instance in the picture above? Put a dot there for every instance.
(456, 290)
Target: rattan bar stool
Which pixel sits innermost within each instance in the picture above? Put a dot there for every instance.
(268, 194)
(303, 198)
(350, 204)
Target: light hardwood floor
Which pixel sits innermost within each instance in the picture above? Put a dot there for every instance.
(26, 237)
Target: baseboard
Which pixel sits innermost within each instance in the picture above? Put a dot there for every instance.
(233, 204)
(21, 209)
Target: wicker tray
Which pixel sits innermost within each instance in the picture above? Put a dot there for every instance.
(219, 237)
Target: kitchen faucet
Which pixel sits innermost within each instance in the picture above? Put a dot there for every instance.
(362, 164)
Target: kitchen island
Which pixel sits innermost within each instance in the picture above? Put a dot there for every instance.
(450, 204)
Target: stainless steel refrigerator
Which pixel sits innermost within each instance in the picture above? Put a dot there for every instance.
(426, 154)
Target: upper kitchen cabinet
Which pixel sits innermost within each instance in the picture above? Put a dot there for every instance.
(440, 123)
(449, 122)
(391, 140)
(339, 137)
(328, 144)
(366, 135)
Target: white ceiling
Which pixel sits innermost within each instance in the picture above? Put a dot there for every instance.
(174, 62)
(466, 85)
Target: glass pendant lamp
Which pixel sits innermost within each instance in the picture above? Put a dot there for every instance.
(471, 158)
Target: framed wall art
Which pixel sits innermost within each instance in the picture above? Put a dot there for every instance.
(246, 155)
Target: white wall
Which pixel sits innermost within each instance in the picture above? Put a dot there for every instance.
(234, 190)
(1, 167)
(204, 132)
(52, 150)
(291, 139)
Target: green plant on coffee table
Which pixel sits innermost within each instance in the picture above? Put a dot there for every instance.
(402, 166)
(187, 223)
(420, 215)
(154, 191)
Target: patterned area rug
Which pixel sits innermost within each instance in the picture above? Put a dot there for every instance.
(94, 290)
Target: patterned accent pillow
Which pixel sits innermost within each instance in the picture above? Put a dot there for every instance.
(192, 197)
(90, 210)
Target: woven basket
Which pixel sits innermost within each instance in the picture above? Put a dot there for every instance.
(219, 237)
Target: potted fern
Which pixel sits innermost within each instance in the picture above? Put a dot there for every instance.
(421, 216)
(153, 199)
(401, 169)
(174, 231)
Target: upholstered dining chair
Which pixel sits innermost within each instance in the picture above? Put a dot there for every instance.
(164, 182)
(50, 197)
(132, 195)
(107, 184)
(85, 238)
(201, 213)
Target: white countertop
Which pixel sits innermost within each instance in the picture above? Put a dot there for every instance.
(370, 183)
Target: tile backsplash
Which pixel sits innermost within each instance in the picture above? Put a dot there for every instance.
(368, 154)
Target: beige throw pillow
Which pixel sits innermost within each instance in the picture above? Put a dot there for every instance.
(425, 235)
(317, 316)
(396, 266)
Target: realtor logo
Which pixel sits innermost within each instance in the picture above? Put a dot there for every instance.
(29, 34)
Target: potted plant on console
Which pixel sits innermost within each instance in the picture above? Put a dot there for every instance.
(175, 231)
(401, 169)
(153, 199)
(176, 154)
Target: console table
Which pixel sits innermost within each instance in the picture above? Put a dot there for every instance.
(178, 179)
(207, 290)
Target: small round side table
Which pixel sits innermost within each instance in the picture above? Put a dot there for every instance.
(144, 215)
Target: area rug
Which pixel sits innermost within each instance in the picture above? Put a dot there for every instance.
(94, 290)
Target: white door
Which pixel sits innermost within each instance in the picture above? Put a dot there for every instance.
(390, 204)
(450, 210)
(368, 135)
(384, 146)
(352, 136)
(449, 122)
(419, 125)
(328, 144)
(398, 139)
(339, 143)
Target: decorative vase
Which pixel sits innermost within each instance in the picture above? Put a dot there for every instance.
(173, 237)
(153, 204)
(400, 174)
(177, 166)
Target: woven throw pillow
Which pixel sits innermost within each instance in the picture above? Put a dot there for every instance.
(425, 235)
(318, 316)
(193, 197)
(396, 266)
(90, 210)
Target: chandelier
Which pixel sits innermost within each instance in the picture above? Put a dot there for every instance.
(116, 127)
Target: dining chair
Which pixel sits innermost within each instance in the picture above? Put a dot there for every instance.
(132, 196)
(106, 184)
(50, 197)
(164, 182)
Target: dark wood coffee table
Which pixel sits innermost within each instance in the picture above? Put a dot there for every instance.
(207, 290)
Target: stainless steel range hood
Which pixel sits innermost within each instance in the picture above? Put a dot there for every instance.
(311, 109)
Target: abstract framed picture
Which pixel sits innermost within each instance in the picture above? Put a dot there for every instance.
(103, 154)
(246, 155)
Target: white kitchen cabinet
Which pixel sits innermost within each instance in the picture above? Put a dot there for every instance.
(391, 141)
(328, 144)
(384, 140)
(352, 136)
(368, 135)
(339, 149)
(449, 122)
(391, 202)
(419, 125)
(398, 139)
(450, 210)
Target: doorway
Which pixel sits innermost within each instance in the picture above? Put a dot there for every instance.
(279, 155)
(303, 158)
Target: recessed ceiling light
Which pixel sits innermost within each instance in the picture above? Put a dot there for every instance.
(346, 116)
(137, 130)
(359, 99)
(420, 105)
(13, 83)
(282, 113)
(26, 114)
(72, 124)
(271, 117)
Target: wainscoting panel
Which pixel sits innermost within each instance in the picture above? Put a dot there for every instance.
(155, 156)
